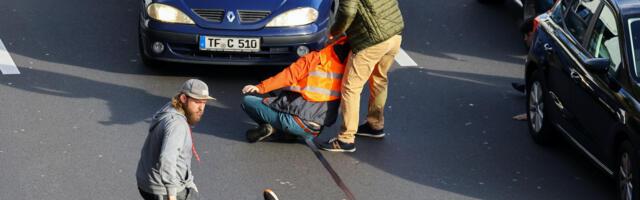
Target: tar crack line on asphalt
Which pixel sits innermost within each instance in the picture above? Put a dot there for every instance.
(404, 60)
(7, 66)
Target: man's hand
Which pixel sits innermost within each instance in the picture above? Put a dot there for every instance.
(195, 188)
(331, 39)
(250, 89)
(172, 198)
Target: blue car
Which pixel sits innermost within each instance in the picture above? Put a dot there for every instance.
(228, 32)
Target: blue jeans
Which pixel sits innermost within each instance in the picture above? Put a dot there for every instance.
(263, 114)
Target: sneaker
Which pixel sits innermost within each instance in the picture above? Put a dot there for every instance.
(260, 133)
(366, 130)
(269, 195)
(335, 145)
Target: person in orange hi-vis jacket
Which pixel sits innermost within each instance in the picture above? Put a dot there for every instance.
(310, 98)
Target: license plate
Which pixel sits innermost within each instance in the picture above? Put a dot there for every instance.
(212, 43)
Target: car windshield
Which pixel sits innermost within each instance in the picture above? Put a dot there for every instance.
(634, 32)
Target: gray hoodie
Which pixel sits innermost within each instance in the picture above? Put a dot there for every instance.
(165, 161)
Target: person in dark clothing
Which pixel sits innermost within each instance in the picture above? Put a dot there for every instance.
(531, 9)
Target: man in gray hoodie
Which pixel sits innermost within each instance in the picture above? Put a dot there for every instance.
(164, 169)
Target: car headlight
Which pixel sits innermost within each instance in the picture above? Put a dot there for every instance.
(169, 14)
(295, 17)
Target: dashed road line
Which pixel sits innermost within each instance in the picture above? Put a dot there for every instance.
(404, 60)
(7, 66)
(519, 2)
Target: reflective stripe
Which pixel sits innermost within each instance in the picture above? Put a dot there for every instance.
(325, 74)
(316, 90)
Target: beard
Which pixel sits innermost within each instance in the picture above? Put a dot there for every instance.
(192, 117)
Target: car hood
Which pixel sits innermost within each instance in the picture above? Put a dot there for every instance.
(272, 6)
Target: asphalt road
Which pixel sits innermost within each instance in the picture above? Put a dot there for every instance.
(72, 123)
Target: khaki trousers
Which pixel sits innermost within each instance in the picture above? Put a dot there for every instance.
(370, 64)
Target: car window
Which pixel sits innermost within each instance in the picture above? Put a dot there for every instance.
(634, 31)
(604, 41)
(579, 16)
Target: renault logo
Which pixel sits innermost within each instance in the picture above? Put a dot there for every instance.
(231, 16)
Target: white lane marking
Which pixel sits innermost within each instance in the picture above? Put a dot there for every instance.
(519, 2)
(7, 66)
(403, 59)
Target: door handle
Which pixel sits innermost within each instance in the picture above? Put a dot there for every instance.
(574, 75)
(547, 47)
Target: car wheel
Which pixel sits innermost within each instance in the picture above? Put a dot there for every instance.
(627, 169)
(539, 126)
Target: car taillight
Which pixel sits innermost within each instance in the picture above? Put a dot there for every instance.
(536, 21)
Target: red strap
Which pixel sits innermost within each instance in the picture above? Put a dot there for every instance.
(302, 126)
(193, 146)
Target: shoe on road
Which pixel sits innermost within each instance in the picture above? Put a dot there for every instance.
(335, 145)
(366, 130)
(263, 131)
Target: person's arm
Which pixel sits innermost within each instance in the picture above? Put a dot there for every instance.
(172, 144)
(346, 13)
(291, 74)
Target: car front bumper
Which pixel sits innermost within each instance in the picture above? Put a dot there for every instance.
(184, 47)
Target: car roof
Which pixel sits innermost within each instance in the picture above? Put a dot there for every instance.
(627, 7)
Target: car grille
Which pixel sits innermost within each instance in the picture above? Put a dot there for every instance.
(212, 15)
(250, 16)
(246, 16)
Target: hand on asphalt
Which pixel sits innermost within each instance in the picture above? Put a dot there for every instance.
(522, 116)
(250, 89)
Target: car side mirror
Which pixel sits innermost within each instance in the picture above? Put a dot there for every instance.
(598, 65)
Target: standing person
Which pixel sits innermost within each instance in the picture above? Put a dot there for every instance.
(164, 169)
(373, 28)
(310, 99)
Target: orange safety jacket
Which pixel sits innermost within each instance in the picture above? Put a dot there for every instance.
(317, 78)
(324, 81)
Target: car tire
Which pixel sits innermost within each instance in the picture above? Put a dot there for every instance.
(539, 127)
(627, 167)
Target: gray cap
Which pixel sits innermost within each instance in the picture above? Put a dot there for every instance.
(196, 89)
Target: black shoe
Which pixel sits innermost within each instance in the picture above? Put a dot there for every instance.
(518, 86)
(269, 195)
(366, 130)
(257, 134)
(335, 145)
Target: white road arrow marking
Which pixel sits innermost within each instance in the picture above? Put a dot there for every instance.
(7, 66)
(404, 60)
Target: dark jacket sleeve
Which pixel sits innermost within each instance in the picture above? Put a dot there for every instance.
(346, 13)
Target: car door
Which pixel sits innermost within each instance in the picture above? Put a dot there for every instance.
(596, 108)
(564, 53)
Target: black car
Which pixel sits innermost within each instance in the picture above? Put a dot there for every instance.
(582, 77)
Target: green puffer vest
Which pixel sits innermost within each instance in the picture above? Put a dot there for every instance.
(367, 22)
